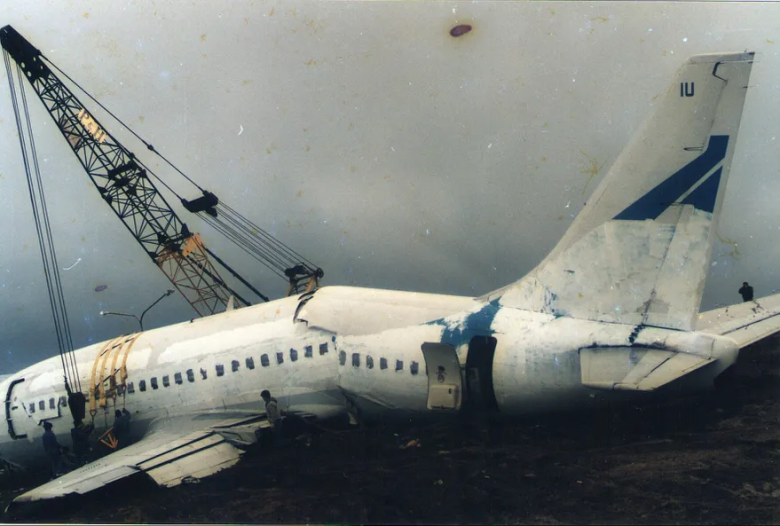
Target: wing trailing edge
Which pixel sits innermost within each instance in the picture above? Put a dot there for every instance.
(169, 454)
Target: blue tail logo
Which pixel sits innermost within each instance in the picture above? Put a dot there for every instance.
(694, 184)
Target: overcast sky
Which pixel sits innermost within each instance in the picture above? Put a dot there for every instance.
(368, 139)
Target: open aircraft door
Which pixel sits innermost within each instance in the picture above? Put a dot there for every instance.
(15, 414)
(444, 378)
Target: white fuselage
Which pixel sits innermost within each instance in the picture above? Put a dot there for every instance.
(313, 356)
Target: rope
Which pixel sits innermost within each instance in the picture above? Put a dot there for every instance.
(45, 238)
(253, 240)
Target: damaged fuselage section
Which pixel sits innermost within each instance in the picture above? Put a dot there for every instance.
(492, 359)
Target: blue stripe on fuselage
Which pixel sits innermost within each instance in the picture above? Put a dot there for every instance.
(476, 324)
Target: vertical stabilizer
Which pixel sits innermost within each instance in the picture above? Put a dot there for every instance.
(639, 250)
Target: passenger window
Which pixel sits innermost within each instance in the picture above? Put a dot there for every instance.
(220, 369)
(190, 375)
(414, 368)
(42, 405)
(166, 381)
(280, 357)
(323, 348)
(369, 362)
(250, 363)
(177, 379)
(51, 404)
(153, 381)
(399, 365)
(264, 360)
(204, 373)
(293, 355)
(130, 388)
(355, 359)
(234, 365)
(308, 352)
(142, 385)
(342, 357)
(32, 407)
(63, 401)
(383, 363)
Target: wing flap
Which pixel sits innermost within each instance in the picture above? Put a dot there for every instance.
(169, 453)
(745, 322)
(197, 464)
(632, 369)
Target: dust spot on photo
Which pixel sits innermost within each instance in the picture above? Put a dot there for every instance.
(460, 30)
(101, 288)
(203, 37)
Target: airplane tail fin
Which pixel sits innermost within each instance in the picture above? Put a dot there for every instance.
(639, 251)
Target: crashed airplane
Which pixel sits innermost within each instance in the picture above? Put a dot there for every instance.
(611, 313)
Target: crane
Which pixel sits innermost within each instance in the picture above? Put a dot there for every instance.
(125, 184)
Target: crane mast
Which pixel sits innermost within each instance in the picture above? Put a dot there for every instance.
(125, 185)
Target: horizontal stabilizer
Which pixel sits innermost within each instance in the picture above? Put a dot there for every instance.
(745, 322)
(632, 369)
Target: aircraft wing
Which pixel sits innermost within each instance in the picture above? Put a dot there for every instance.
(745, 322)
(173, 450)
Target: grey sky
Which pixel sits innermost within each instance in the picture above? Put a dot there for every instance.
(367, 138)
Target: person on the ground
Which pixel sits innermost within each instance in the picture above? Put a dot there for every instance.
(126, 415)
(53, 450)
(746, 291)
(121, 427)
(80, 437)
(273, 414)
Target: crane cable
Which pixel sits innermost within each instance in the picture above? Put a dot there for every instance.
(254, 241)
(43, 230)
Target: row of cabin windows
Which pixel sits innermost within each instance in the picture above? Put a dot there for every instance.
(308, 352)
(414, 367)
(52, 404)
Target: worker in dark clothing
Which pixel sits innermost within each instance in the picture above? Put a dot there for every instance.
(121, 428)
(126, 415)
(53, 450)
(273, 414)
(746, 291)
(80, 437)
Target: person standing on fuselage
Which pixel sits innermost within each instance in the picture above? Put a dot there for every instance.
(746, 291)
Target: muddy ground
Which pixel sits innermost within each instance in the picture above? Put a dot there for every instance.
(706, 459)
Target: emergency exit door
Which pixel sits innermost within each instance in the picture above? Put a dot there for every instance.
(444, 378)
(15, 414)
